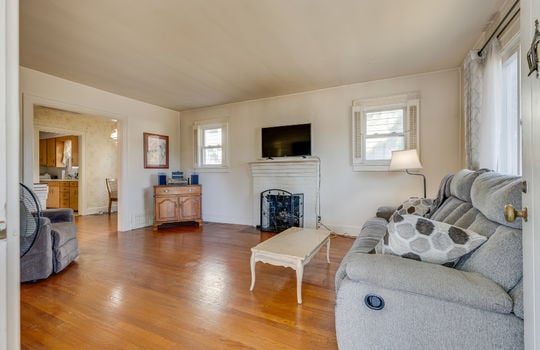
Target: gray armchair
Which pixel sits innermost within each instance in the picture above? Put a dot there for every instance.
(55, 247)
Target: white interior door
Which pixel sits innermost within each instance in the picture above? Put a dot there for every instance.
(530, 109)
(9, 175)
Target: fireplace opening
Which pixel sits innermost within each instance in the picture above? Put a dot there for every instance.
(280, 210)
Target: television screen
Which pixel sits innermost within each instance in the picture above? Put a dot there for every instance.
(286, 141)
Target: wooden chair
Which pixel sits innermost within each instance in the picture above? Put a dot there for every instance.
(112, 188)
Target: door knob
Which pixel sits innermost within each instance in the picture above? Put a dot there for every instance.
(510, 213)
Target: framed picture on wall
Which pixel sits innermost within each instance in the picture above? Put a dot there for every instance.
(156, 151)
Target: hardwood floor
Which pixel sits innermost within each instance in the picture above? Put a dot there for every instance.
(178, 288)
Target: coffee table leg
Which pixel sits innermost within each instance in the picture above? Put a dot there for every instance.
(252, 272)
(328, 251)
(299, 276)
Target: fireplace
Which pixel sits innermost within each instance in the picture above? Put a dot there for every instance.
(291, 175)
(280, 210)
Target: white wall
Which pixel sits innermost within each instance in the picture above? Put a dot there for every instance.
(135, 208)
(347, 198)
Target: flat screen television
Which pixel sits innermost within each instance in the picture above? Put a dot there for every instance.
(286, 141)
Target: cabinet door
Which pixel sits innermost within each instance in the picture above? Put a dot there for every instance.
(74, 197)
(190, 208)
(53, 199)
(64, 194)
(166, 209)
(51, 152)
(59, 150)
(74, 150)
(43, 152)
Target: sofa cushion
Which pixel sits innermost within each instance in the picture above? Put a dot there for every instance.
(371, 234)
(427, 240)
(517, 296)
(491, 192)
(499, 259)
(451, 211)
(434, 281)
(385, 212)
(415, 206)
(461, 184)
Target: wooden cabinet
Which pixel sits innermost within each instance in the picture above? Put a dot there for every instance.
(42, 152)
(74, 150)
(51, 151)
(59, 152)
(53, 198)
(63, 194)
(74, 195)
(177, 204)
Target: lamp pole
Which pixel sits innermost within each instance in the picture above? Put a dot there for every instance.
(418, 174)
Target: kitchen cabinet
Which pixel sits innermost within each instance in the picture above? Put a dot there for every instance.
(42, 152)
(63, 194)
(74, 195)
(51, 151)
(177, 204)
(53, 198)
(74, 150)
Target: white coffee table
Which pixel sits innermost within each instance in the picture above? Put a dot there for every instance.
(292, 248)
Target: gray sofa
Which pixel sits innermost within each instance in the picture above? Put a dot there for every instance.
(56, 245)
(477, 304)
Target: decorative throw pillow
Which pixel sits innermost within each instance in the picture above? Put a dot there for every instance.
(418, 238)
(415, 206)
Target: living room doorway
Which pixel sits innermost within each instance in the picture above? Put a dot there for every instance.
(95, 157)
(115, 127)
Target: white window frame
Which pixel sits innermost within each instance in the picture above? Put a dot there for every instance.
(411, 105)
(198, 131)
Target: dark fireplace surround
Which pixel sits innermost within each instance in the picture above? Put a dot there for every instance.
(280, 210)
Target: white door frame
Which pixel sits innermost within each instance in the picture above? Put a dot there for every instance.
(530, 114)
(9, 175)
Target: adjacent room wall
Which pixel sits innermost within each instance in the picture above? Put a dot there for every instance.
(347, 198)
(134, 117)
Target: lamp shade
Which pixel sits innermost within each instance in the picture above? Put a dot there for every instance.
(407, 159)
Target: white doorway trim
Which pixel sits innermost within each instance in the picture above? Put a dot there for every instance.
(30, 100)
(530, 111)
(9, 175)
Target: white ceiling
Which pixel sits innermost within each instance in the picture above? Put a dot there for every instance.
(184, 54)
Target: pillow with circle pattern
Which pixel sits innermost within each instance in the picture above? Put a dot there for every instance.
(415, 237)
(415, 206)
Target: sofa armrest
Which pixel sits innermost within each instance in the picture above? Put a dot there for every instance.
(431, 280)
(59, 215)
(386, 212)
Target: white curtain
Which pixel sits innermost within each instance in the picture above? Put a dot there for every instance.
(483, 107)
(472, 101)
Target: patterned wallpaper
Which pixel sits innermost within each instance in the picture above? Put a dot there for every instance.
(99, 149)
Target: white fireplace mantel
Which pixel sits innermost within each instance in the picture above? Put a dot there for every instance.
(295, 176)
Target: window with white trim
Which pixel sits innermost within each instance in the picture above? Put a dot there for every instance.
(381, 126)
(509, 152)
(211, 145)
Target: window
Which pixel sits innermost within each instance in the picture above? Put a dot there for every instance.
(509, 160)
(211, 145)
(381, 126)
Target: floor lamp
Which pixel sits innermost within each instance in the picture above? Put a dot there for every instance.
(405, 160)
